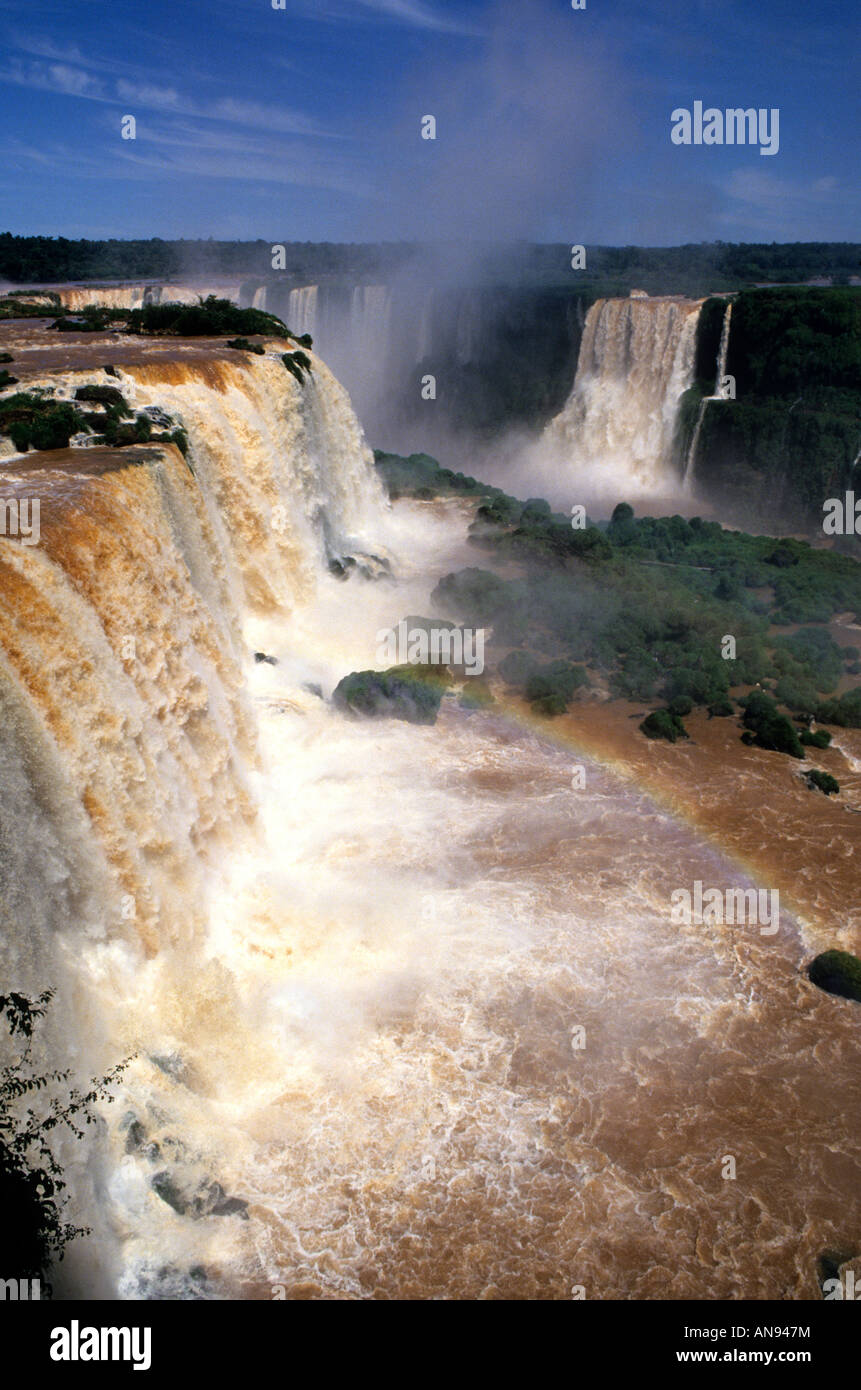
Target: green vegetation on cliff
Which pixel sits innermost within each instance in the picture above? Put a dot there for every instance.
(34, 421)
(791, 437)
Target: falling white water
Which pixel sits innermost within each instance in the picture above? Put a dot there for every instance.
(136, 296)
(302, 311)
(469, 329)
(370, 321)
(636, 361)
(717, 395)
(723, 349)
(425, 322)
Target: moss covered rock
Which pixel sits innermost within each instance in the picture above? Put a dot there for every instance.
(837, 972)
(402, 692)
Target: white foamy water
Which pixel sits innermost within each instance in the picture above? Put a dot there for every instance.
(380, 1038)
(358, 952)
(615, 433)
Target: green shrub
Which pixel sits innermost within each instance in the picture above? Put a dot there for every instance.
(838, 972)
(845, 711)
(103, 395)
(661, 723)
(721, 709)
(243, 345)
(820, 739)
(297, 364)
(177, 437)
(770, 728)
(37, 422)
(516, 668)
(822, 781)
(549, 688)
(476, 595)
(500, 511)
(211, 317)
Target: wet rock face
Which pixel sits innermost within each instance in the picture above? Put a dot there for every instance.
(209, 1199)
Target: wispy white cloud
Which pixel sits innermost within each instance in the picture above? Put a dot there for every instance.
(158, 98)
(64, 80)
(188, 149)
(416, 14)
(758, 201)
(761, 189)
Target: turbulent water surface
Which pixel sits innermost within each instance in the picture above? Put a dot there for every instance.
(408, 1012)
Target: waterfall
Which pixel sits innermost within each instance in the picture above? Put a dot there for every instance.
(469, 329)
(636, 361)
(119, 635)
(259, 300)
(178, 565)
(126, 297)
(722, 351)
(302, 310)
(717, 395)
(370, 321)
(345, 957)
(128, 741)
(136, 296)
(425, 334)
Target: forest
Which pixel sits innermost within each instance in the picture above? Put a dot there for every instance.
(695, 269)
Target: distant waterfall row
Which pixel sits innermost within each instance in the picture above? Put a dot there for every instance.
(390, 324)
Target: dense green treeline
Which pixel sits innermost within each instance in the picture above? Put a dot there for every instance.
(694, 269)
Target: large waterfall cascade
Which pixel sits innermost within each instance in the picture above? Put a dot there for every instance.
(636, 361)
(130, 740)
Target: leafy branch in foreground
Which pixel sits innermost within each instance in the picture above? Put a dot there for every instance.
(32, 1186)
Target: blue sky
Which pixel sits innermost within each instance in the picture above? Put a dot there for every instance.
(304, 123)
